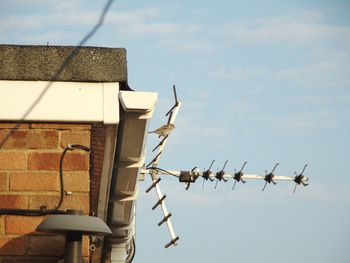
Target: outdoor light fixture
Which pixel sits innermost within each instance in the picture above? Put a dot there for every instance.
(74, 225)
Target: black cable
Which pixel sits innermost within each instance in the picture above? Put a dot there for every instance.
(162, 170)
(71, 147)
(64, 64)
(39, 212)
(81, 147)
(61, 178)
(30, 212)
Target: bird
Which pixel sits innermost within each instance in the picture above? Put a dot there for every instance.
(164, 130)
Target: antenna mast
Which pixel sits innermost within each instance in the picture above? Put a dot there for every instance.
(152, 169)
(189, 177)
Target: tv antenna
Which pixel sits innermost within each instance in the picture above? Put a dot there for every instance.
(189, 177)
(152, 169)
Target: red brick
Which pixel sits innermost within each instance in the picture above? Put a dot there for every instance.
(75, 137)
(74, 201)
(14, 125)
(3, 181)
(50, 201)
(44, 160)
(51, 160)
(2, 225)
(29, 139)
(13, 201)
(34, 181)
(61, 126)
(22, 224)
(77, 182)
(12, 246)
(86, 246)
(13, 160)
(76, 161)
(46, 245)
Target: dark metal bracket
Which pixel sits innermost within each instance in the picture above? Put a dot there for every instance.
(269, 176)
(220, 175)
(238, 176)
(298, 179)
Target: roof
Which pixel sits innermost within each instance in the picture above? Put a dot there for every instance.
(91, 64)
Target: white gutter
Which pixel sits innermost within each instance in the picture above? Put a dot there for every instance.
(136, 111)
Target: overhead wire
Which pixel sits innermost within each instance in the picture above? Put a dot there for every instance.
(64, 64)
(62, 67)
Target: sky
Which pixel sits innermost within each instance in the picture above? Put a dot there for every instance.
(260, 81)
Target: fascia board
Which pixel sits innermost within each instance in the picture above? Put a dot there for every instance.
(59, 101)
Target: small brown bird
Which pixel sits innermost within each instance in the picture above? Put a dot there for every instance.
(164, 130)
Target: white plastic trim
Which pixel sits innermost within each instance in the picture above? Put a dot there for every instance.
(139, 102)
(110, 103)
(61, 102)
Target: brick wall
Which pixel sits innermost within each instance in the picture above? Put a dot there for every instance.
(29, 179)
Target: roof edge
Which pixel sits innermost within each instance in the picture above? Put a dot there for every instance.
(38, 62)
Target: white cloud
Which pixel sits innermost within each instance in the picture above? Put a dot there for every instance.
(295, 29)
(138, 24)
(17, 3)
(134, 16)
(329, 193)
(322, 74)
(12, 24)
(190, 126)
(160, 30)
(304, 15)
(325, 100)
(233, 72)
(238, 108)
(52, 38)
(187, 44)
(141, 24)
(60, 22)
(298, 122)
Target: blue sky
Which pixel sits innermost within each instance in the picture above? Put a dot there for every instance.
(260, 81)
